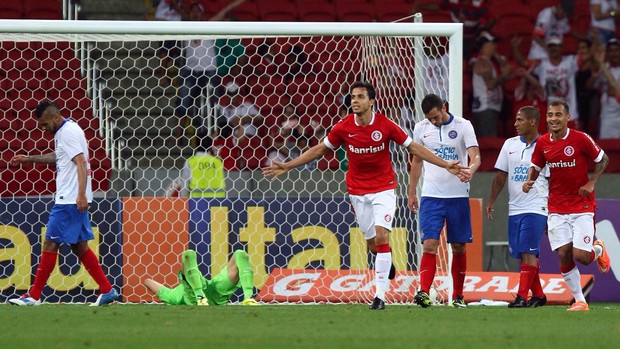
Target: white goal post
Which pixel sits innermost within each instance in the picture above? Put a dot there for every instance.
(299, 230)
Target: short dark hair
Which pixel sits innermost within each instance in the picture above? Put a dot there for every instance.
(43, 106)
(530, 112)
(368, 86)
(559, 102)
(431, 101)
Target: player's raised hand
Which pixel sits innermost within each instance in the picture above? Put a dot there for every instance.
(277, 168)
(19, 159)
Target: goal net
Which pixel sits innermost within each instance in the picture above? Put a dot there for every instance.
(147, 99)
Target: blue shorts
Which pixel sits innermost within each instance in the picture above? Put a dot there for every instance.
(524, 233)
(67, 224)
(453, 211)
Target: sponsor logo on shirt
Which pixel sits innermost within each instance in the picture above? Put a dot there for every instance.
(366, 150)
(447, 153)
(561, 163)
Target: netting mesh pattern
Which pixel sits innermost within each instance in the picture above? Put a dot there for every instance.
(145, 105)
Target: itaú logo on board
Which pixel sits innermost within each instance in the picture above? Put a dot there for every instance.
(605, 231)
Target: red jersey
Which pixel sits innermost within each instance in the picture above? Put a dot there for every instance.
(567, 159)
(368, 151)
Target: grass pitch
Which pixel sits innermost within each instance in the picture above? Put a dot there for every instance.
(307, 326)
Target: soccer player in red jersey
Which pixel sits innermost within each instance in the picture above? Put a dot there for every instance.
(370, 179)
(571, 196)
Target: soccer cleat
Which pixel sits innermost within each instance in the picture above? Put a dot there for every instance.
(422, 299)
(25, 300)
(602, 262)
(535, 302)
(578, 306)
(106, 298)
(202, 300)
(519, 302)
(377, 304)
(250, 301)
(458, 302)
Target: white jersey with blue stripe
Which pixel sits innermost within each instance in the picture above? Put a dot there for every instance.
(515, 159)
(449, 142)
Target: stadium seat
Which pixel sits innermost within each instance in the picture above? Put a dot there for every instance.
(316, 11)
(11, 9)
(277, 10)
(42, 9)
(436, 17)
(362, 11)
(392, 11)
(247, 11)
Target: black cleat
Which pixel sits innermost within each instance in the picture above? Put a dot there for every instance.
(392, 273)
(519, 302)
(422, 299)
(377, 304)
(537, 301)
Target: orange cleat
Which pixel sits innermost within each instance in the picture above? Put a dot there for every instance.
(602, 262)
(578, 306)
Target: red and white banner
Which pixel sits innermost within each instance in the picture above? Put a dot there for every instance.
(344, 286)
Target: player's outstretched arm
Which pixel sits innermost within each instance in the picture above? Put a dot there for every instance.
(277, 168)
(48, 158)
(426, 155)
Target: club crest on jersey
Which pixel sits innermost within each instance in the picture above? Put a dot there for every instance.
(387, 218)
(569, 150)
(376, 135)
(586, 239)
(452, 134)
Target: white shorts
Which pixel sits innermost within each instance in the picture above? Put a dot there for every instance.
(374, 209)
(577, 228)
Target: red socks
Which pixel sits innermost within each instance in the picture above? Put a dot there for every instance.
(536, 287)
(459, 267)
(528, 272)
(428, 264)
(44, 269)
(90, 262)
(382, 248)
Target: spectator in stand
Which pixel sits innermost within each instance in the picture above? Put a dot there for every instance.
(168, 10)
(284, 141)
(474, 14)
(435, 65)
(604, 16)
(551, 22)
(230, 57)
(238, 115)
(556, 74)
(610, 98)
(529, 92)
(487, 86)
(587, 90)
(199, 73)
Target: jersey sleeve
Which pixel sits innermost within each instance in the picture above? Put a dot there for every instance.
(593, 151)
(502, 159)
(399, 136)
(72, 142)
(538, 160)
(334, 137)
(469, 136)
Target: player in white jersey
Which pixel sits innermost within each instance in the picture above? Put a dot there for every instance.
(444, 198)
(527, 212)
(366, 136)
(68, 220)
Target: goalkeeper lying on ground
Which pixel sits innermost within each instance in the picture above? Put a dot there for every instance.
(196, 289)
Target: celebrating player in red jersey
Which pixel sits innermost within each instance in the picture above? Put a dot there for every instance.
(370, 179)
(571, 196)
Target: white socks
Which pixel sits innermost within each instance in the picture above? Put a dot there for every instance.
(383, 262)
(573, 281)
